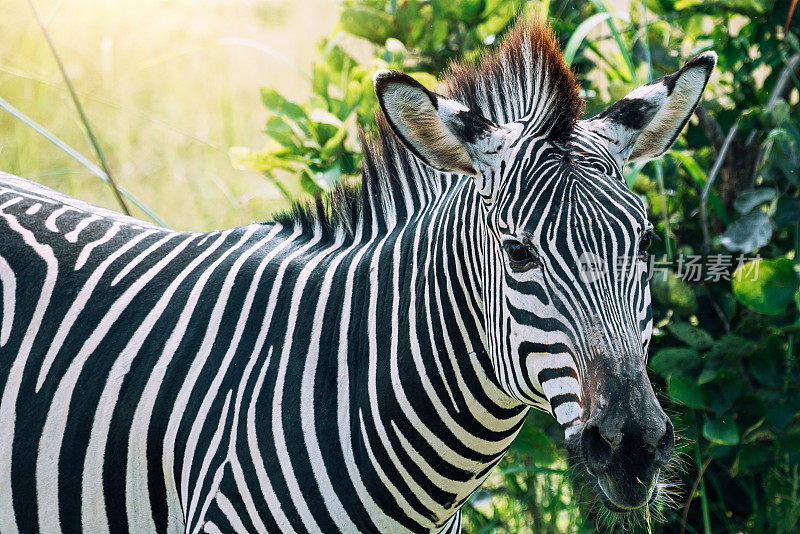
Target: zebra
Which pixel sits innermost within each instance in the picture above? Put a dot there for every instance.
(362, 362)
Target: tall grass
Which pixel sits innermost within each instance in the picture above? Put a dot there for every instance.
(166, 87)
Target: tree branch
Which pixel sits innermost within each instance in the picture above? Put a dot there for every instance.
(712, 176)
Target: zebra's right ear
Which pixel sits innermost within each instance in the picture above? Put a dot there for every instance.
(443, 133)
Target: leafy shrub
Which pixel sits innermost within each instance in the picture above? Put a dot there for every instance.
(315, 140)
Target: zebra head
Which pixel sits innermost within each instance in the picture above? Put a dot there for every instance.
(566, 302)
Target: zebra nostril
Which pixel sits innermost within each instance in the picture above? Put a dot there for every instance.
(666, 445)
(597, 449)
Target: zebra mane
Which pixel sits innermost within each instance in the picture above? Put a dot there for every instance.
(524, 78)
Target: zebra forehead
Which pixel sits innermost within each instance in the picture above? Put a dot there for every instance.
(573, 196)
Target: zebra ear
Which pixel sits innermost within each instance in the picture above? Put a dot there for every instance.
(443, 133)
(645, 123)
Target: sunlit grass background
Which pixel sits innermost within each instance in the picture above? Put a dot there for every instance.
(168, 85)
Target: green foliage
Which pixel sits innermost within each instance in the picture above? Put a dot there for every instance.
(775, 287)
(434, 32)
(724, 349)
(314, 142)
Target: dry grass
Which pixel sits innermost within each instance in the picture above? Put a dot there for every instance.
(168, 87)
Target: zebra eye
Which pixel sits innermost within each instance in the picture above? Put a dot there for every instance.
(520, 256)
(598, 166)
(645, 241)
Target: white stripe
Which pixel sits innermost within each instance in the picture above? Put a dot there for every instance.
(72, 237)
(8, 404)
(561, 385)
(277, 416)
(308, 415)
(138, 259)
(50, 223)
(137, 491)
(8, 284)
(77, 306)
(213, 447)
(567, 412)
(89, 247)
(274, 506)
(199, 362)
(382, 522)
(233, 518)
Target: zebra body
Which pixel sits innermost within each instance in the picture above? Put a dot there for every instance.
(359, 365)
(226, 392)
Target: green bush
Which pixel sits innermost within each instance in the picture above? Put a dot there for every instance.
(723, 357)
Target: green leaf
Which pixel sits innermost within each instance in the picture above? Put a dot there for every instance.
(709, 373)
(691, 166)
(769, 288)
(674, 293)
(747, 234)
(278, 129)
(731, 348)
(748, 200)
(276, 103)
(777, 115)
(534, 442)
(780, 416)
(787, 212)
(685, 390)
(370, 23)
(322, 116)
(471, 10)
(329, 176)
(751, 456)
(694, 336)
(666, 361)
(260, 161)
(334, 145)
(722, 431)
(309, 184)
(583, 30)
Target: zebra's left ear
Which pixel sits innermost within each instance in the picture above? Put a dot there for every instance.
(443, 133)
(645, 123)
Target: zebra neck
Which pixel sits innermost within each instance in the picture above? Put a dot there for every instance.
(430, 421)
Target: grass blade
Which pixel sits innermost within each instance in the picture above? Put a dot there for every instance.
(84, 119)
(77, 156)
(623, 49)
(582, 31)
